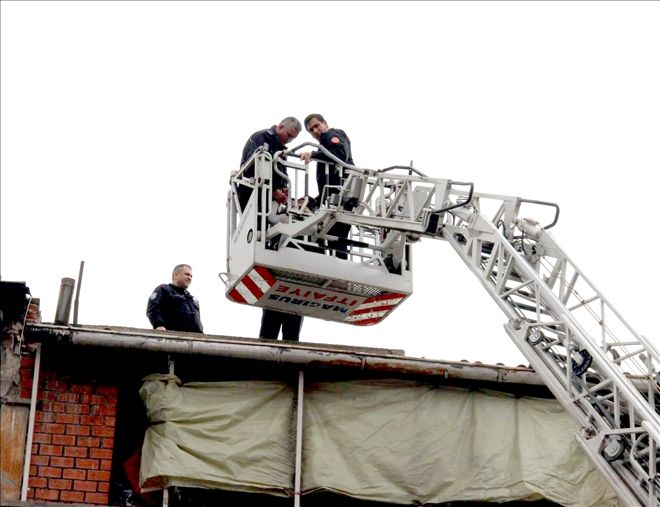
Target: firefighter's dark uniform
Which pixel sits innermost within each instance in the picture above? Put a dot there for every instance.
(328, 173)
(174, 308)
(336, 142)
(257, 140)
(271, 321)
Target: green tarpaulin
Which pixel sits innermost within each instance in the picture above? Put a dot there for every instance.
(392, 441)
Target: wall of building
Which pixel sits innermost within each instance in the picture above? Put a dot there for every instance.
(73, 437)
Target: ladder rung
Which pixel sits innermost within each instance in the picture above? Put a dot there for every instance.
(583, 303)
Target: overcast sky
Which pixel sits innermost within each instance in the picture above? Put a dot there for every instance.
(121, 122)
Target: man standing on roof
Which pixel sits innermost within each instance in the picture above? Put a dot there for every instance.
(276, 138)
(327, 171)
(171, 307)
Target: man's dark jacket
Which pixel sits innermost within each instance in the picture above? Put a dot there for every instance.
(336, 142)
(256, 140)
(174, 308)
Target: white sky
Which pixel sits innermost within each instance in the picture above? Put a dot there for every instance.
(122, 120)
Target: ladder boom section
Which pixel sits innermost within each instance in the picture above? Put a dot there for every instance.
(598, 367)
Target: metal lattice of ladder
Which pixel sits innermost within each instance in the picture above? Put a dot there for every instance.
(598, 367)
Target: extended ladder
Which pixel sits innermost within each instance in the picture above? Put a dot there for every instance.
(598, 367)
(602, 372)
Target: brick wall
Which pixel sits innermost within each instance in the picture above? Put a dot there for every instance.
(73, 437)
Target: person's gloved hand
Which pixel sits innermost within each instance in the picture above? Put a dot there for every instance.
(281, 195)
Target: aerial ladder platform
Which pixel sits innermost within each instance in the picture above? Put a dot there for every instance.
(289, 258)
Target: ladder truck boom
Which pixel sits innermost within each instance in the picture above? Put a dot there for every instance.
(603, 372)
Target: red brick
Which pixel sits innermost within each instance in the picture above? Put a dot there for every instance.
(110, 402)
(38, 482)
(98, 475)
(30, 494)
(46, 406)
(33, 470)
(76, 429)
(67, 418)
(51, 428)
(59, 484)
(110, 421)
(72, 496)
(68, 397)
(73, 473)
(26, 381)
(81, 388)
(51, 450)
(106, 464)
(89, 441)
(90, 464)
(42, 438)
(35, 448)
(76, 408)
(26, 393)
(47, 494)
(45, 395)
(103, 487)
(55, 473)
(76, 452)
(64, 440)
(97, 498)
(84, 485)
(95, 399)
(55, 385)
(52, 406)
(107, 443)
(40, 460)
(58, 407)
(45, 417)
(62, 462)
(92, 420)
(100, 453)
(107, 391)
(27, 362)
(102, 431)
(110, 410)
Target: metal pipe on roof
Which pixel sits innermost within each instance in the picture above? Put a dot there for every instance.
(76, 302)
(299, 436)
(302, 354)
(31, 419)
(63, 309)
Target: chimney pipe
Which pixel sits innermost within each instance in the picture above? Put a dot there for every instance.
(63, 310)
